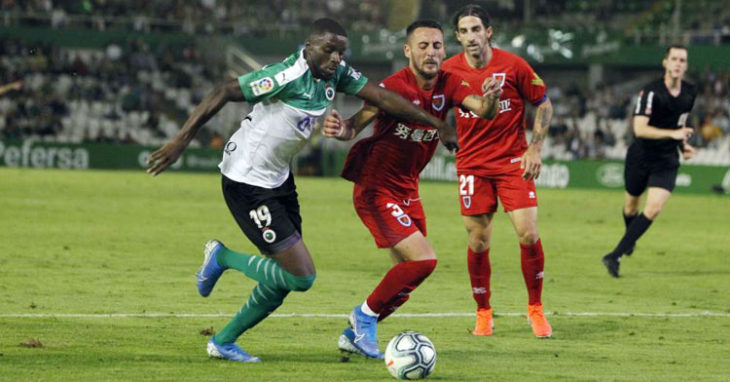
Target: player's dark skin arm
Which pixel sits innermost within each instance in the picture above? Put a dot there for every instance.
(335, 127)
(532, 159)
(228, 91)
(397, 106)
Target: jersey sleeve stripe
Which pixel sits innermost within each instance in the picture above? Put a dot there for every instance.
(541, 101)
(293, 72)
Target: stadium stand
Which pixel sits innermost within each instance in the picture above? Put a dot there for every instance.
(136, 92)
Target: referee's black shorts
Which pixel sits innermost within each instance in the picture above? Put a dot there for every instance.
(269, 217)
(640, 174)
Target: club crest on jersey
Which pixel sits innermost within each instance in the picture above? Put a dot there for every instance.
(329, 92)
(501, 77)
(405, 220)
(230, 147)
(466, 200)
(262, 86)
(269, 235)
(438, 102)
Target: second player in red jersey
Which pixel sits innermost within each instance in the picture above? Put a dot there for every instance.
(496, 163)
(385, 169)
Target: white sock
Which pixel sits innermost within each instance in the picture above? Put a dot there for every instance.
(366, 309)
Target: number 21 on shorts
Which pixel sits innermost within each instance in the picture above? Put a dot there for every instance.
(466, 189)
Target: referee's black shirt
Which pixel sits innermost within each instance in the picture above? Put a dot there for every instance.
(665, 112)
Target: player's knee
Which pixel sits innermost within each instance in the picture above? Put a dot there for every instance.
(529, 237)
(302, 283)
(651, 211)
(478, 242)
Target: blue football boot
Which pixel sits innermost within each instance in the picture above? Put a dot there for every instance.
(210, 271)
(229, 351)
(361, 337)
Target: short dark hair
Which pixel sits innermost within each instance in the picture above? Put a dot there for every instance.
(471, 10)
(423, 24)
(673, 46)
(327, 25)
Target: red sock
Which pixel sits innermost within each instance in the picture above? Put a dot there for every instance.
(479, 273)
(393, 305)
(400, 280)
(533, 263)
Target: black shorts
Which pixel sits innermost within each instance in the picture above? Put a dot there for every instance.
(269, 217)
(640, 173)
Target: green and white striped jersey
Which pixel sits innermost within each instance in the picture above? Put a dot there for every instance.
(287, 101)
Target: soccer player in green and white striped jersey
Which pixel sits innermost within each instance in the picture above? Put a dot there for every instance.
(258, 185)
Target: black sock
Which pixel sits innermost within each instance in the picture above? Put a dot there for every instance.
(629, 218)
(638, 226)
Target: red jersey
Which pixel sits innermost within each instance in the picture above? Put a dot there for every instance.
(487, 146)
(393, 157)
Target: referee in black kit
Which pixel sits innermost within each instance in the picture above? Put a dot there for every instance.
(660, 126)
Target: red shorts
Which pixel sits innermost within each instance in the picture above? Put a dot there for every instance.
(389, 219)
(478, 194)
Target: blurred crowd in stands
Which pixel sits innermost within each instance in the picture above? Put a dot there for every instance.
(250, 17)
(130, 92)
(597, 124)
(125, 93)
(709, 21)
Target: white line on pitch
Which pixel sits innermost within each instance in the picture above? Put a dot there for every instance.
(325, 315)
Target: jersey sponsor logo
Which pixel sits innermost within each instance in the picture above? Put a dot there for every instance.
(466, 201)
(501, 77)
(438, 102)
(230, 147)
(262, 86)
(505, 105)
(305, 124)
(466, 113)
(416, 135)
(269, 235)
(329, 92)
(402, 131)
(536, 80)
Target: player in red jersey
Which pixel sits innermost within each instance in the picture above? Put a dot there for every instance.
(385, 169)
(494, 161)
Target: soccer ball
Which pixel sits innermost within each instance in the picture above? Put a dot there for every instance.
(410, 355)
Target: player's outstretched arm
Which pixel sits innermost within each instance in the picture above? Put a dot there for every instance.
(335, 127)
(642, 129)
(397, 106)
(532, 159)
(487, 105)
(164, 157)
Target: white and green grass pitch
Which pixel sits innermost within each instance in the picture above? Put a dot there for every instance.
(98, 267)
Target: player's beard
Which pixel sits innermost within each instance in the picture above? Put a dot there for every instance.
(422, 72)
